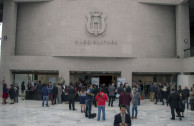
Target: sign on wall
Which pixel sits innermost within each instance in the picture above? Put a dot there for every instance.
(95, 80)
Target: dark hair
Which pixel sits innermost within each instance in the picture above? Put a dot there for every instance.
(122, 106)
(83, 89)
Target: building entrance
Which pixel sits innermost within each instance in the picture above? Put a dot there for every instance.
(86, 76)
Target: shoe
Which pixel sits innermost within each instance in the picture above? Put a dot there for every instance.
(69, 108)
(135, 117)
(180, 118)
(172, 118)
(155, 103)
(74, 109)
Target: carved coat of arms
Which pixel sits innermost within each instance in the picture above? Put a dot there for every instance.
(96, 23)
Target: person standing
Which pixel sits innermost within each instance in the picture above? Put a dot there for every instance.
(105, 90)
(128, 88)
(152, 91)
(139, 91)
(12, 93)
(45, 93)
(111, 91)
(179, 89)
(101, 98)
(125, 100)
(4, 96)
(82, 95)
(23, 88)
(16, 88)
(89, 97)
(186, 94)
(39, 89)
(50, 88)
(96, 91)
(59, 94)
(174, 104)
(192, 99)
(182, 104)
(120, 89)
(122, 119)
(135, 98)
(55, 93)
(71, 92)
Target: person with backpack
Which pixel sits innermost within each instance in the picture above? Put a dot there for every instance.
(101, 98)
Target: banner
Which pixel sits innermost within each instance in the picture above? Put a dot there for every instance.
(120, 81)
(52, 80)
(95, 80)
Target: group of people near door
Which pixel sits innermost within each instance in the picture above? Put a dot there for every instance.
(91, 94)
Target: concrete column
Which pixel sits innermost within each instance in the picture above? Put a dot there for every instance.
(9, 28)
(7, 76)
(128, 76)
(182, 29)
(66, 75)
(185, 80)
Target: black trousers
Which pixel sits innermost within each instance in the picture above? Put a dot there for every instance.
(54, 99)
(173, 113)
(161, 99)
(71, 103)
(110, 100)
(192, 104)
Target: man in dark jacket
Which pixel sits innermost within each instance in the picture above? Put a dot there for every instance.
(174, 104)
(152, 89)
(122, 119)
(45, 93)
(128, 88)
(186, 94)
(55, 93)
(39, 89)
(120, 89)
(71, 92)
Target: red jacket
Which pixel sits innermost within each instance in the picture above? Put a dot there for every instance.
(101, 101)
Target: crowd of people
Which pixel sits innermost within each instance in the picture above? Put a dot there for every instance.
(89, 94)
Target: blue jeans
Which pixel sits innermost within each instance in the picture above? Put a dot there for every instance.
(88, 108)
(134, 107)
(128, 109)
(99, 112)
(45, 98)
(138, 101)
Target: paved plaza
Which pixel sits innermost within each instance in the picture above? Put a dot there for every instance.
(31, 113)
